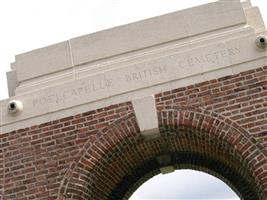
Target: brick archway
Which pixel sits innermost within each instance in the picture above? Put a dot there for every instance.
(95, 116)
(113, 166)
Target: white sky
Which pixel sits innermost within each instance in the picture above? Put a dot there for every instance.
(30, 24)
(184, 185)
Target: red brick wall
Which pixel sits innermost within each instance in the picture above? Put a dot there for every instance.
(36, 158)
(241, 98)
(218, 126)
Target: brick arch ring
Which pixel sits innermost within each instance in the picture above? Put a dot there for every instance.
(120, 160)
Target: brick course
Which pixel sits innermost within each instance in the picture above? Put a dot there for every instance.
(217, 126)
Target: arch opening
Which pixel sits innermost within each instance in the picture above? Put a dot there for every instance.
(184, 184)
(122, 160)
(186, 160)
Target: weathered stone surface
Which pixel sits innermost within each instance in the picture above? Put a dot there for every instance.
(156, 30)
(43, 61)
(133, 78)
(146, 115)
(12, 82)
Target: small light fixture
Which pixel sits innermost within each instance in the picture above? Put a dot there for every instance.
(14, 107)
(261, 41)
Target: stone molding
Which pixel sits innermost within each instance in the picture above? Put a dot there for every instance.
(209, 49)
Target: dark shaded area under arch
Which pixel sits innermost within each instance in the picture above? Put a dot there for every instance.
(186, 158)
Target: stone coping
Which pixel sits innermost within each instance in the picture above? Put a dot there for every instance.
(210, 48)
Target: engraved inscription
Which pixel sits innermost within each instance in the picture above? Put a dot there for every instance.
(209, 58)
(85, 88)
(146, 73)
(152, 70)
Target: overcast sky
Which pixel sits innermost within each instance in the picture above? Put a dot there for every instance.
(184, 185)
(30, 24)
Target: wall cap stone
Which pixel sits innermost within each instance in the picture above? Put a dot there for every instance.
(64, 86)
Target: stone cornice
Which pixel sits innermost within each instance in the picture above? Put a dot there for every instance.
(114, 66)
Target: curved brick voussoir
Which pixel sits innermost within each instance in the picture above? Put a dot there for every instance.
(221, 130)
(122, 132)
(118, 162)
